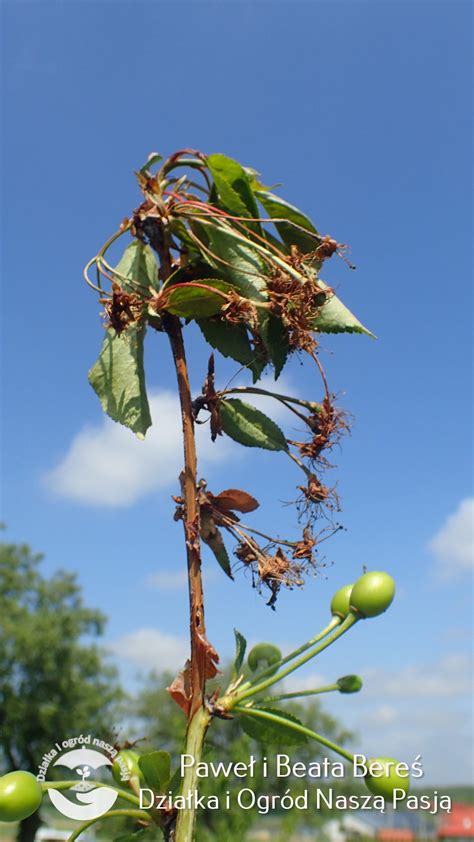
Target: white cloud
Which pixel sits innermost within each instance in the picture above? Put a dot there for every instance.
(451, 675)
(106, 465)
(453, 545)
(169, 580)
(151, 649)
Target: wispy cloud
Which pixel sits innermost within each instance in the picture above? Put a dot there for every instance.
(151, 649)
(106, 465)
(453, 545)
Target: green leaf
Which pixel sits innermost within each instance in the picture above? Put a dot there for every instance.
(134, 837)
(240, 648)
(275, 339)
(237, 262)
(335, 317)
(212, 536)
(277, 208)
(156, 768)
(139, 264)
(118, 378)
(273, 733)
(193, 301)
(233, 186)
(153, 158)
(250, 427)
(232, 341)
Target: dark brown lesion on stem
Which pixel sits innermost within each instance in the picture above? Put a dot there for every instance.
(190, 686)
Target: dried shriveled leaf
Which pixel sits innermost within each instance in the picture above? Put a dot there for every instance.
(250, 427)
(180, 689)
(208, 656)
(118, 378)
(234, 499)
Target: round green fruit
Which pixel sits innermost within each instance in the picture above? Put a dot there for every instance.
(349, 684)
(340, 603)
(372, 594)
(263, 655)
(127, 759)
(20, 796)
(386, 774)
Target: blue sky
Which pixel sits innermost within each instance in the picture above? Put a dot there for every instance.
(360, 110)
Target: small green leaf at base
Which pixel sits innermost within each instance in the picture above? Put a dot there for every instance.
(156, 769)
(271, 732)
(240, 648)
(250, 427)
(118, 378)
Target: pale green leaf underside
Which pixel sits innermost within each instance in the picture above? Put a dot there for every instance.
(271, 732)
(118, 378)
(335, 317)
(250, 427)
(139, 264)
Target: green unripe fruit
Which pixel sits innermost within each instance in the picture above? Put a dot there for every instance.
(263, 655)
(372, 594)
(386, 774)
(349, 684)
(340, 603)
(127, 759)
(20, 796)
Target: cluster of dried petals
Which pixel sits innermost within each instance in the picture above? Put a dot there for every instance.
(123, 309)
(327, 426)
(240, 309)
(297, 303)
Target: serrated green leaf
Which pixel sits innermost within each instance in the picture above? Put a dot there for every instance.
(275, 339)
(271, 732)
(118, 378)
(335, 317)
(250, 427)
(192, 301)
(277, 208)
(232, 340)
(237, 261)
(156, 769)
(240, 649)
(233, 186)
(139, 264)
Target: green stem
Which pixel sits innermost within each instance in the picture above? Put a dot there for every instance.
(298, 694)
(257, 688)
(127, 796)
(194, 746)
(295, 726)
(134, 814)
(254, 390)
(336, 621)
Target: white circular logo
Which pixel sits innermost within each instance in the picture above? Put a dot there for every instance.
(91, 801)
